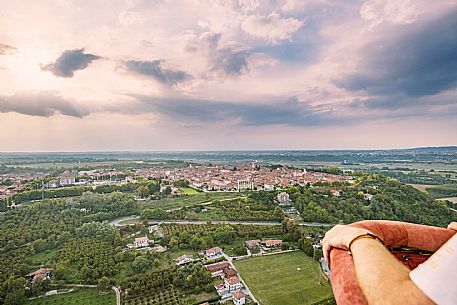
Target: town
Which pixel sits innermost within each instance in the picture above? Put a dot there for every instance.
(237, 178)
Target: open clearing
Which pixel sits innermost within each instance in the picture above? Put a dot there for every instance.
(275, 280)
(188, 191)
(187, 200)
(82, 296)
(420, 187)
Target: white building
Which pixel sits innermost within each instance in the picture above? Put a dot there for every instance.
(239, 298)
(141, 242)
(245, 185)
(184, 259)
(213, 253)
(66, 179)
(283, 198)
(232, 283)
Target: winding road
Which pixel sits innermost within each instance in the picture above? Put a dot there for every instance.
(118, 222)
(118, 295)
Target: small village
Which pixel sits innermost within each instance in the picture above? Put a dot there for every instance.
(230, 285)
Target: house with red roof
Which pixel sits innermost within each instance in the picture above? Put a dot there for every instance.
(42, 274)
(217, 269)
(272, 243)
(141, 242)
(213, 253)
(232, 283)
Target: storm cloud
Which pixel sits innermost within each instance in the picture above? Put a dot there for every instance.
(42, 104)
(155, 70)
(420, 60)
(69, 62)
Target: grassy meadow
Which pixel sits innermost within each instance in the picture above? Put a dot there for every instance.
(291, 278)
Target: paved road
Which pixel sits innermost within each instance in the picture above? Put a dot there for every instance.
(118, 295)
(81, 285)
(117, 222)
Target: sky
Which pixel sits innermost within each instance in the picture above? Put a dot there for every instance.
(227, 74)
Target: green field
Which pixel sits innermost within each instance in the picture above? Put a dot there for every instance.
(188, 191)
(82, 296)
(187, 200)
(42, 258)
(275, 280)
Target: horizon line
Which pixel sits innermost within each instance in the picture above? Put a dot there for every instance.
(222, 150)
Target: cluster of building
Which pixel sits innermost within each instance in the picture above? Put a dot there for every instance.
(12, 183)
(89, 178)
(239, 177)
(232, 287)
(265, 245)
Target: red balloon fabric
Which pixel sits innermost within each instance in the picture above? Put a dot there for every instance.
(394, 234)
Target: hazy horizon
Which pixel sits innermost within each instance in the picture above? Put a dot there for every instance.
(453, 147)
(227, 75)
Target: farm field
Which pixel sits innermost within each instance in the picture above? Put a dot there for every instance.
(275, 279)
(82, 296)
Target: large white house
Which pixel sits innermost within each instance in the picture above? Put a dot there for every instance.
(66, 179)
(213, 253)
(232, 283)
(141, 242)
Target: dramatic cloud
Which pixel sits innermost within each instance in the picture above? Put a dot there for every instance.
(155, 70)
(44, 104)
(420, 60)
(228, 61)
(6, 49)
(272, 28)
(386, 67)
(69, 62)
(290, 112)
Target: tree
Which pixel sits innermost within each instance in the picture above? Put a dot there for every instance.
(285, 246)
(308, 248)
(103, 284)
(167, 191)
(140, 264)
(12, 291)
(85, 273)
(196, 243)
(39, 286)
(39, 245)
(153, 214)
(142, 192)
(317, 254)
(278, 213)
(240, 250)
(101, 230)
